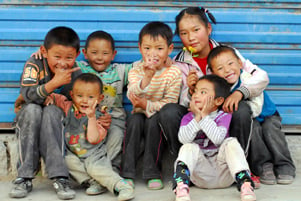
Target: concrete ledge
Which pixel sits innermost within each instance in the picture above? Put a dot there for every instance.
(9, 156)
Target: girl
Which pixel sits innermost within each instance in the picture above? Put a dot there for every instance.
(194, 29)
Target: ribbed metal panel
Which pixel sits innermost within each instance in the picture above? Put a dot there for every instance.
(266, 32)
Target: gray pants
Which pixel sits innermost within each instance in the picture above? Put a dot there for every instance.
(114, 142)
(39, 130)
(268, 144)
(96, 166)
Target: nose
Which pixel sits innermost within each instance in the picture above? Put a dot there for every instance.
(62, 64)
(190, 36)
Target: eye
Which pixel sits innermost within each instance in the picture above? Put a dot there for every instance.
(79, 96)
(183, 33)
(203, 92)
(196, 29)
(91, 97)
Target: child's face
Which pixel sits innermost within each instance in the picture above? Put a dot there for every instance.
(203, 90)
(59, 57)
(194, 33)
(85, 94)
(155, 50)
(99, 53)
(227, 66)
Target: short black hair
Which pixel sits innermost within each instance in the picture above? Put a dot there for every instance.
(221, 86)
(62, 36)
(156, 29)
(215, 52)
(100, 35)
(89, 78)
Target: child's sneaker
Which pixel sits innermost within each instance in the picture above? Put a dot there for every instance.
(21, 188)
(95, 188)
(285, 179)
(182, 192)
(125, 191)
(247, 192)
(268, 177)
(62, 188)
(256, 181)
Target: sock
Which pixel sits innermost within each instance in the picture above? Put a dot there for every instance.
(241, 177)
(182, 174)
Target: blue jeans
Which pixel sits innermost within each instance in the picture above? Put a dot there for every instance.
(40, 134)
(268, 145)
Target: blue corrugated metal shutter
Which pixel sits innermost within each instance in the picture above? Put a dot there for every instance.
(266, 32)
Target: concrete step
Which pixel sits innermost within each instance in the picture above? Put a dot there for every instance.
(9, 156)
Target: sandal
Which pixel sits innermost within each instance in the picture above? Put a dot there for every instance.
(130, 182)
(155, 184)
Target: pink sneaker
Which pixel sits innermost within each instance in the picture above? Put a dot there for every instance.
(247, 192)
(182, 192)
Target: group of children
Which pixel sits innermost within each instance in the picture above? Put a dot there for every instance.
(221, 119)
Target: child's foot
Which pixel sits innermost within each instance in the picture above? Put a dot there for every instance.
(95, 188)
(182, 192)
(268, 177)
(125, 191)
(63, 190)
(247, 192)
(285, 179)
(155, 184)
(21, 188)
(256, 181)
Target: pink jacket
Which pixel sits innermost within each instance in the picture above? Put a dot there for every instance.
(250, 88)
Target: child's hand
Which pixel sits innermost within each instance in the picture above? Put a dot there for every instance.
(191, 80)
(138, 102)
(37, 54)
(90, 111)
(63, 76)
(231, 103)
(208, 106)
(105, 120)
(48, 101)
(149, 68)
(18, 103)
(195, 110)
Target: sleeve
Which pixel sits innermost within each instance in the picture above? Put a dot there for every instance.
(188, 129)
(171, 94)
(134, 78)
(31, 90)
(216, 131)
(257, 83)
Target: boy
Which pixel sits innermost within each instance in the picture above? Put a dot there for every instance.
(86, 157)
(39, 128)
(152, 84)
(100, 51)
(209, 158)
(269, 154)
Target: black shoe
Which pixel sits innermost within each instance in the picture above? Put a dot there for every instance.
(21, 188)
(62, 188)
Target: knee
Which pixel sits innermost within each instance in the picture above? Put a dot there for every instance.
(169, 111)
(231, 143)
(243, 112)
(51, 112)
(189, 147)
(32, 112)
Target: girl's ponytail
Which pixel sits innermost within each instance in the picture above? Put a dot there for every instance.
(208, 14)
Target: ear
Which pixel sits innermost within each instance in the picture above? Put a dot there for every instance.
(101, 96)
(240, 63)
(170, 48)
(71, 94)
(114, 54)
(209, 29)
(219, 101)
(43, 51)
(85, 53)
(139, 45)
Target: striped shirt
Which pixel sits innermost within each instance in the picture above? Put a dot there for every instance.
(209, 133)
(164, 87)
